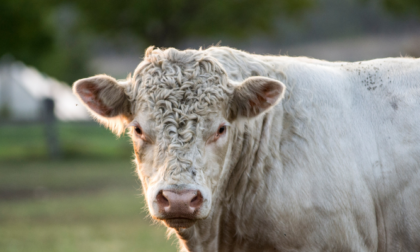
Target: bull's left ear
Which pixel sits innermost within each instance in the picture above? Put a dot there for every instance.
(106, 100)
(255, 96)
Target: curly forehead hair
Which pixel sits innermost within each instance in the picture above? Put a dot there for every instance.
(189, 78)
(177, 88)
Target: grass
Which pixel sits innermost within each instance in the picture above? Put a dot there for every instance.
(88, 201)
(28, 142)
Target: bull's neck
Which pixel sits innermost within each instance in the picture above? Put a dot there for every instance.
(247, 161)
(241, 186)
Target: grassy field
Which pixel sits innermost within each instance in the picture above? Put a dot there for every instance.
(88, 201)
(77, 140)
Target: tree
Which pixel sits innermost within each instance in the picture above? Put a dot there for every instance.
(399, 7)
(402, 6)
(24, 30)
(165, 23)
(30, 32)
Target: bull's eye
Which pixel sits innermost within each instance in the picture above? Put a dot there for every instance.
(138, 133)
(138, 130)
(221, 130)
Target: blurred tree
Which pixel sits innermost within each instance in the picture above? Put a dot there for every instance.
(164, 23)
(402, 6)
(398, 7)
(24, 30)
(69, 57)
(31, 31)
(54, 35)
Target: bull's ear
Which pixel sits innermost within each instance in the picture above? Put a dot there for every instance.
(256, 95)
(105, 99)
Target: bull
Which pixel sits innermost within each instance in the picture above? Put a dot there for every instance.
(244, 152)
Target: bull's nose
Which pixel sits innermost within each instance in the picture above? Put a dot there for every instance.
(179, 204)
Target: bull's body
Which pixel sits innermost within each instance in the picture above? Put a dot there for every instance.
(335, 166)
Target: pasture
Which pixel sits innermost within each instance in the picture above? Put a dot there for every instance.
(90, 200)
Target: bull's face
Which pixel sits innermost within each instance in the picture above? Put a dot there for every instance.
(179, 111)
(179, 163)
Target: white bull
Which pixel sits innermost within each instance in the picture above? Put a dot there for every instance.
(243, 152)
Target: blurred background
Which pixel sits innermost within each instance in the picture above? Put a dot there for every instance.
(67, 184)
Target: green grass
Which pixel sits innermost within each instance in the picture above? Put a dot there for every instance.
(75, 206)
(88, 201)
(28, 142)
(66, 175)
(21, 142)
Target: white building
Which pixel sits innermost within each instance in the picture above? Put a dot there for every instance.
(23, 88)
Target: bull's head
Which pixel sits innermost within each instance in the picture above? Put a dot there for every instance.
(180, 109)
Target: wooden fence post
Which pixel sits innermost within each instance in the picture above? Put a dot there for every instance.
(50, 126)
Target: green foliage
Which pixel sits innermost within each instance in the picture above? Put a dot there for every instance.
(398, 7)
(25, 32)
(31, 32)
(164, 23)
(403, 6)
(56, 36)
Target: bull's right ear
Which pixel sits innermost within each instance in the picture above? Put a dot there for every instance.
(105, 99)
(254, 96)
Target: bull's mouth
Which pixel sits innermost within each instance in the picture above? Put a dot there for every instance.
(178, 223)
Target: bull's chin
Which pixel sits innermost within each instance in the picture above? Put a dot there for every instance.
(178, 223)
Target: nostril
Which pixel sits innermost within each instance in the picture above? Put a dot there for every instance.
(162, 200)
(197, 200)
